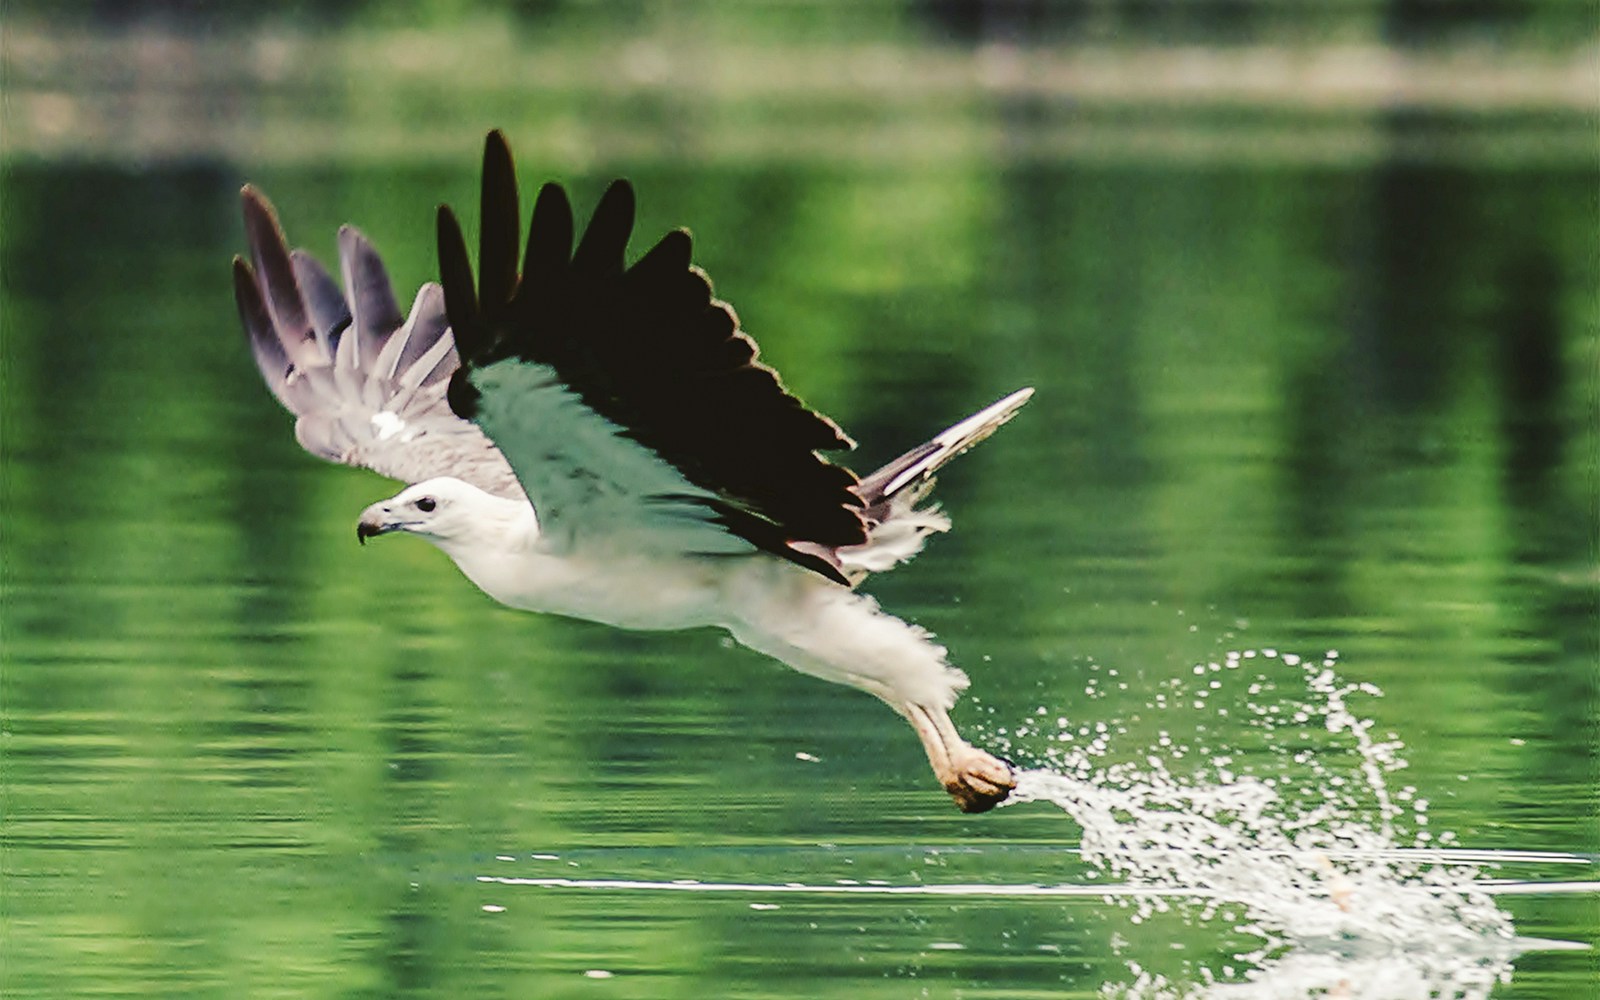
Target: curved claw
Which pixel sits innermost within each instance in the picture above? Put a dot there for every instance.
(978, 781)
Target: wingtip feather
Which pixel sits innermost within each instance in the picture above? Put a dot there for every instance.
(460, 291)
(265, 347)
(374, 311)
(605, 241)
(499, 224)
(275, 276)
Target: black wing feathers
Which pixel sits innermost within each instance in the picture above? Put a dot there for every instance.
(499, 226)
(460, 293)
(549, 249)
(651, 350)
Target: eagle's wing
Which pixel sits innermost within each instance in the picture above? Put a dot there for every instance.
(627, 399)
(366, 384)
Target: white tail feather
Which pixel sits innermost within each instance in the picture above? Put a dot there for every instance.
(897, 539)
(897, 528)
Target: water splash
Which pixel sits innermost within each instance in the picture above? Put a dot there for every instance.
(1291, 832)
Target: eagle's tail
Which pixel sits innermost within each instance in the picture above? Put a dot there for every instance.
(897, 527)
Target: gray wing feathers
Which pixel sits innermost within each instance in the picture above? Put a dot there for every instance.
(324, 302)
(374, 312)
(365, 383)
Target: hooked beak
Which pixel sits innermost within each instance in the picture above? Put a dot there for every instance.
(375, 521)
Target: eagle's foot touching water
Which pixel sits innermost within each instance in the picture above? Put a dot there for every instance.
(978, 781)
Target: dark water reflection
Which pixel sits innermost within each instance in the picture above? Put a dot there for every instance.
(1303, 408)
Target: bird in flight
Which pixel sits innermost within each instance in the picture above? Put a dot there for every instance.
(597, 440)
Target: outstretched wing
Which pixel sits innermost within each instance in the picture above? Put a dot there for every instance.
(366, 385)
(627, 398)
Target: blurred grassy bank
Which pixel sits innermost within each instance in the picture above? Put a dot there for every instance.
(689, 83)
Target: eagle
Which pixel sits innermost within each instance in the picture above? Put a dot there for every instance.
(597, 439)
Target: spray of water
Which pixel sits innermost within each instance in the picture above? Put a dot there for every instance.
(1292, 830)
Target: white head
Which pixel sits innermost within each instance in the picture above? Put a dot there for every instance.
(446, 511)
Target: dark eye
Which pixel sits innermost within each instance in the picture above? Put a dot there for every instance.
(426, 504)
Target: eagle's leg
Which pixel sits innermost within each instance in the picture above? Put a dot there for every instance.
(819, 628)
(978, 781)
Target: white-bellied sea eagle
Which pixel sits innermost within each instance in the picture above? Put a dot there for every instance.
(592, 439)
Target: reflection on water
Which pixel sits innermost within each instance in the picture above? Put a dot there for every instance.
(1445, 958)
(1307, 866)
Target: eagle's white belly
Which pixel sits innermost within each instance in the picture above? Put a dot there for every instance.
(626, 592)
(767, 604)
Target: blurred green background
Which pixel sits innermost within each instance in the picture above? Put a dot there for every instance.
(1310, 295)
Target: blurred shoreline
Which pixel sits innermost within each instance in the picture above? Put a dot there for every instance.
(158, 94)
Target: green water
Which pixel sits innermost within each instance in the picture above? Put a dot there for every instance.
(1305, 407)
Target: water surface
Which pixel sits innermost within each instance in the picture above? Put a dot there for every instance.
(1293, 407)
